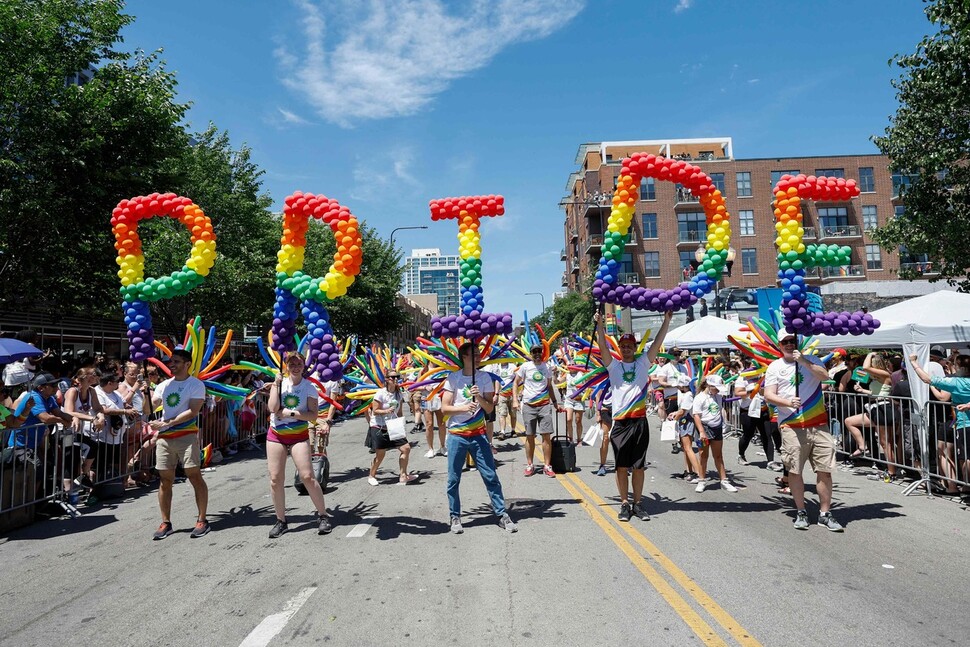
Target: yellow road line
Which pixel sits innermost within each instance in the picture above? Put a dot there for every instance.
(706, 602)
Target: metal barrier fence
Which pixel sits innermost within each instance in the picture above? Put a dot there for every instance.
(42, 464)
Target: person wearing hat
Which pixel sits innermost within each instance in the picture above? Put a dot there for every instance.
(793, 384)
(629, 386)
(35, 408)
(708, 413)
(685, 426)
(539, 405)
(181, 398)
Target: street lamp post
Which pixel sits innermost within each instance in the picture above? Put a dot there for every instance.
(390, 339)
(541, 296)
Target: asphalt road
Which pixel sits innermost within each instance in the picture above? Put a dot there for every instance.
(713, 568)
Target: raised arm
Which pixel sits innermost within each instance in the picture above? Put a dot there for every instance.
(659, 340)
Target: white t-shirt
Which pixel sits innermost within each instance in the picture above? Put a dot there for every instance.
(783, 375)
(111, 401)
(535, 378)
(685, 400)
(745, 400)
(296, 398)
(333, 388)
(708, 408)
(669, 372)
(467, 424)
(18, 372)
(384, 399)
(137, 400)
(176, 397)
(629, 384)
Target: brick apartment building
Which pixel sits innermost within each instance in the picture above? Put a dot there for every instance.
(669, 224)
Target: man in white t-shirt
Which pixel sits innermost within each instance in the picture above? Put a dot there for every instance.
(181, 398)
(539, 405)
(629, 385)
(793, 383)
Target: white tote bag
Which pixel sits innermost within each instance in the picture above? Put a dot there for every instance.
(668, 430)
(593, 436)
(395, 428)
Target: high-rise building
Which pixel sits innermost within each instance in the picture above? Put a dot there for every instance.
(669, 225)
(427, 271)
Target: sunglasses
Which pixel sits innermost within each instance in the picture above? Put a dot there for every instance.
(393, 377)
(790, 342)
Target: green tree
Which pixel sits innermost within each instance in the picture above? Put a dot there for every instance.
(571, 313)
(929, 140)
(368, 309)
(70, 150)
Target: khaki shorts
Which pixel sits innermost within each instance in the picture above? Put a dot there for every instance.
(812, 444)
(503, 406)
(171, 451)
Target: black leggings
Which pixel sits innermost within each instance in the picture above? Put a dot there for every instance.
(748, 426)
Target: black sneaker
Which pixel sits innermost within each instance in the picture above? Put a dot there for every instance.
(201, 528)
(624, 512)
(278, 529)
(639, 512)
(163, 531)
(325, 526)
(84, 482)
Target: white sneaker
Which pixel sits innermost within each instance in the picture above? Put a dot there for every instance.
(726, 485)
(373, 481)
(443, 451)
(700, 486)
(429, 454)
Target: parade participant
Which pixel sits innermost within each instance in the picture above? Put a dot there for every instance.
(538, 407)
(629, 384)
(293, 406)
(181, 398)
(604, 417)
(506, 409)
(754, 417)
(793, 384)
(708, 413)
(388, 403)
(686, 427)
(467, 397)
(491, 416)
(434, 420)
(574, 408)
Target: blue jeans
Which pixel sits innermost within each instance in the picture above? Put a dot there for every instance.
(478, 447)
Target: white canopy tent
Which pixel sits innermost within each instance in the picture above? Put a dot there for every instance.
(704, 332)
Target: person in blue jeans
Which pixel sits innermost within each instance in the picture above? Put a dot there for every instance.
(465, 401)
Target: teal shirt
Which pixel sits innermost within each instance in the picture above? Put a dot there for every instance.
(959, 387)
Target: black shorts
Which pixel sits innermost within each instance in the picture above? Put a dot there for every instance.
(630, 438)
(713, 433)
(881, 413)
(490, 417)
(382, 440)
(606, 416)
(961, 438)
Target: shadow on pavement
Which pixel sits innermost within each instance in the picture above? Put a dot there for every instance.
(58, 527)
(245, 515)
(394, 527)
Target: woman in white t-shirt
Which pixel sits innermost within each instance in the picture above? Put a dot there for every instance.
(388, 403)
(433, 419)
(574, 408)
(708, 414)
(293, 406)
(686, 428)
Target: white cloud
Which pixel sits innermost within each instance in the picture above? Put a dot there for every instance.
(683, 5)
(753, 81)
(290, 117)
(386, 59)
(389, 170)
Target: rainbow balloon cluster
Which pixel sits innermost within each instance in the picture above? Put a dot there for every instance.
(795, 257)
(471, 322)
(299, 293)
(606, 286)
(137, 291)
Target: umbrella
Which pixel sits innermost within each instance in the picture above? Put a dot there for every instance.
(12, 350)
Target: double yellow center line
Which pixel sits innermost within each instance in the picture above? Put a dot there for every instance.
(593, 504)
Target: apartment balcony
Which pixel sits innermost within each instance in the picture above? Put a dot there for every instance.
(810, 233)
(574, 265)
(920, 269)
(573, 234)
(629, 279)
(691, 238)
(565, 280)
(839, 232)
(596, 208)
(844, 272)
(562, 254)
(594, 243)
(685, 198)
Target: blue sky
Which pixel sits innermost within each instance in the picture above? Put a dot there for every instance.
(386, 105)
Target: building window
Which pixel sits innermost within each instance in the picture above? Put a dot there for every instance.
(648, 189)
(749, 260)
(830, 172)
(649, 225)
(873, 257)
(867, 181)
(691, 227)
(899, 210)
(901, 182)
(747, 222)
(686, 258)
(776, 176)
(869, 218)
(743, 180)
(651, 264)
(833, 217)
(717, 179)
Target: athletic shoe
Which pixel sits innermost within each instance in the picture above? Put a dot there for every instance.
(429, 454)
(407, 478)
(700, 486)
(84, 482)
(163, 531)
(826, 520)
(547, 470)
(216, 456)
(201, 528)
(456, 525)
(639, 512)
(507, 524)
(694, 479)
(530, 470)
(727, 485)
(801, 520)
(230, 451)
(775, 466)
(601, 471)
(325, 526)
(443, 451)
(742, 461)
(624, 512)
(373, 481)
(278, 529)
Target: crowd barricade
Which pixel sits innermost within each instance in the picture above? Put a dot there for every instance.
(733, 410)
(899, 437)
(27, 474)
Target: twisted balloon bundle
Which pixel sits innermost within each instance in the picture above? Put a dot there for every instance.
(441, 357)
(205, 360)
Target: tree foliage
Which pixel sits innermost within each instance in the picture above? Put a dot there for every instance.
(571, 313)
(929, 140)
